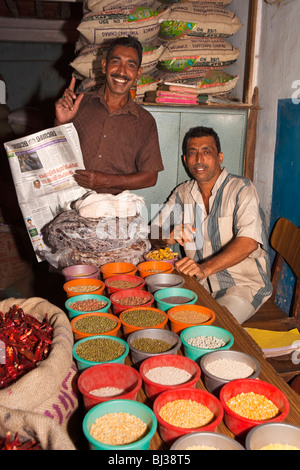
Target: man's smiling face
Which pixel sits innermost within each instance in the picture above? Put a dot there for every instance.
(203, 160)
(122, 69)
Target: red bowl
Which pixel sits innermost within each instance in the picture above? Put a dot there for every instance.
(117, 298)
(153, 389)
(170, 433)
(237, 423)
(108, 375)
(123, 277)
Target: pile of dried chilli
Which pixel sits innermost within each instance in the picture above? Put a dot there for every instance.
(7, 443)
(24, 341)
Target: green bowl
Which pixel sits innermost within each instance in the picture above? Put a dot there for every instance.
(195, 353)
(74, 313)
(120, 406)
(83, 364)
(174, 292)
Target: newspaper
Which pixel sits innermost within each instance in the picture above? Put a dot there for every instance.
(42, 166)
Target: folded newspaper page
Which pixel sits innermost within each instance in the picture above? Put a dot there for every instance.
(42, 166)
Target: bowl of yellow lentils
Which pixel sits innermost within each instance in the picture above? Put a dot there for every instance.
(162, 254)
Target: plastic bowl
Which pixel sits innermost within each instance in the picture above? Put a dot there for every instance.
(125, 278)
(214, 383)
(148, 268)
(78, 298)
(83, 364)
(113, 269)
(141, 295)
(195, 353)
(99, 287)
(138, 356)
(80, 271)
(121, 406)
(172, 260)
(207, 440)
(119, 376)
(175, 293)
(273, 433)
(79, 334)
(129, 328)
(177, 326)
(162, 281)
(153, 388)
(170, 433)
(240, 425)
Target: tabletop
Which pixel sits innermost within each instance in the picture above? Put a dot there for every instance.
(242, 342)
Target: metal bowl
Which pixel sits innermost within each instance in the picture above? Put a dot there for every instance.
(213, 383)
(273, 433)
(206, 439)
(161, 281)
(138, 356)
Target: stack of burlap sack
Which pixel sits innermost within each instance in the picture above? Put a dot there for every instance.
(42, 405)
(182, 41)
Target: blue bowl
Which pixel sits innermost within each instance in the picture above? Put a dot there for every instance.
(74, 313)
(83, 364)
(174, 292)
(195, 353)
(120, 406)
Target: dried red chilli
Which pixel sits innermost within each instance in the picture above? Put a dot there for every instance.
(26, 341)
(7, 443)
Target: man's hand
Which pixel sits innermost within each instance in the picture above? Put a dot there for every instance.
(190, 267)
(182, 234)
(67, 106)
(91, 179)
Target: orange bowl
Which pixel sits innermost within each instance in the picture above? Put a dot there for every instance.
(130, 328)
(80, 334)
(71, 287)
(153, 267)
(182, 312)
(112, 269)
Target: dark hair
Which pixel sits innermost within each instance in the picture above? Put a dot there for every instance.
(127, 41)
(200, 131)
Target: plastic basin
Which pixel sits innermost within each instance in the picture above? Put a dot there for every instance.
(78, 298)
(148, 268)
(73, 284)
(125, 278)
(116, 299)
(179, 296)
(83, 271)
(129, 328)
(80, 334)
(113, 269)
(177, 326)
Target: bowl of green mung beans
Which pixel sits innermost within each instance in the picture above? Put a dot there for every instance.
(99, 349)
(152, 342)
(91, 324)
(139, 318)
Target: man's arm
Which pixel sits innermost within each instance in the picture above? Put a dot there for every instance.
(96, 180)
(235, 252)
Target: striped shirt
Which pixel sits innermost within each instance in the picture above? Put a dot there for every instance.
(234, 211)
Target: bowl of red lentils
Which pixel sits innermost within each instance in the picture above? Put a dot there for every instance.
(108, 382)
(168, 372)
(122, 282)
(129, 298)
(86, 303)
(96, 323)
(186, 410)
(119, 425)
(250, 402)
(183, 316)
(83, 286)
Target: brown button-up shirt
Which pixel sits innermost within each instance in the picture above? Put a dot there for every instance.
(122, 142)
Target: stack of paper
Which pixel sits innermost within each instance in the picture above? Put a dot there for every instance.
(276, 343)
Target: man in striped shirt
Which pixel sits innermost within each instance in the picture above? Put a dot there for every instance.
(217, 218)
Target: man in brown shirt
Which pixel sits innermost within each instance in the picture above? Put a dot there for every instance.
(118, 137)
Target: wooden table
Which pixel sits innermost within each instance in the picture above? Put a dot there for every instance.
(242, 342)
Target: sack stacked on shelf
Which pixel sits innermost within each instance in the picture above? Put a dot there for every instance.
(182, 40)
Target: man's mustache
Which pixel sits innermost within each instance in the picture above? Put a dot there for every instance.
(122, 77)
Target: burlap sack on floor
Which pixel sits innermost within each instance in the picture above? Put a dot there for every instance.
(48, 390)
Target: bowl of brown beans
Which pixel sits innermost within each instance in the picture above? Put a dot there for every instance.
(98, 323)
(83, 286)
(86, 303)
(129, 298)
(139, 318)
(151, 342)
(183, 316)
(122, 282)
(186, 410)
(250, 402)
